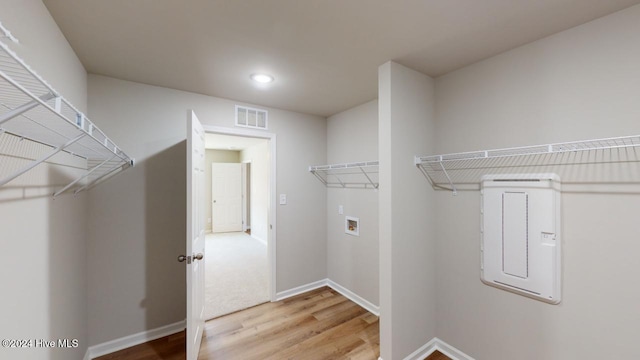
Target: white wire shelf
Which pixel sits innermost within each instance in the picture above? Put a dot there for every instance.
(362, 175)
(31, 109)
(453, 171)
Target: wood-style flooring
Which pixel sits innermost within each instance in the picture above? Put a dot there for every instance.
(437, 355)
(170, 347)
(320, 324)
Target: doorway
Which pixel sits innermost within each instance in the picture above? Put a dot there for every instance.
(240, 246)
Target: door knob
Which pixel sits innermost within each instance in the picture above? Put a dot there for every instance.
(183, 258)
(198, 256)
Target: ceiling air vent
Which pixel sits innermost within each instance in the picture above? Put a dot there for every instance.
(251, 118)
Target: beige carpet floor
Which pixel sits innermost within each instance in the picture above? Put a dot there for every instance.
(236, 275)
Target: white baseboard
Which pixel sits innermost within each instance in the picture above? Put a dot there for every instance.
(300, 289)
(437, 344)
(87, 355)
(335, 286)
(354, 297)
(133, 340)
(451, 351)
(264, 242)
(424, 351)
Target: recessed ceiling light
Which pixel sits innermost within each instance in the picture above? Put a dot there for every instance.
(262, 78)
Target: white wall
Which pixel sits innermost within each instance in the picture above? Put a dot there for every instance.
(42, 249)
(258, 155)
(579, 84)
(137, 220)
(352, 261)
(218, 156)
(407, 224)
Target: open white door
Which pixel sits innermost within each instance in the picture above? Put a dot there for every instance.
(195, 234)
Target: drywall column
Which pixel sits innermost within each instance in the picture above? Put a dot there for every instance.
(407, 236)
(259, 192)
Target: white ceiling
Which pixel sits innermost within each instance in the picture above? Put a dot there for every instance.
(324, 54)
(229, 142)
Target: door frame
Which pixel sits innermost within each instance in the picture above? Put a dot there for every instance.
(246, 192)
(271, 235)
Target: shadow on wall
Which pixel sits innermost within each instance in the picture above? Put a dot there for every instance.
(67, 271)
(43, 256)
(165, 224)
(10, 193)
(39, 183)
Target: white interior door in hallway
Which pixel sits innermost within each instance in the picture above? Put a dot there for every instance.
(226, 195)
(195, 235)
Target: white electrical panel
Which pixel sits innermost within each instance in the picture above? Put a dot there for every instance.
(521, 242)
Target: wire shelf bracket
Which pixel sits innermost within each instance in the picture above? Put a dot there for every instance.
(7, 34)
(31, 109)
(418, 163)
(449, 171)
(363, 175)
